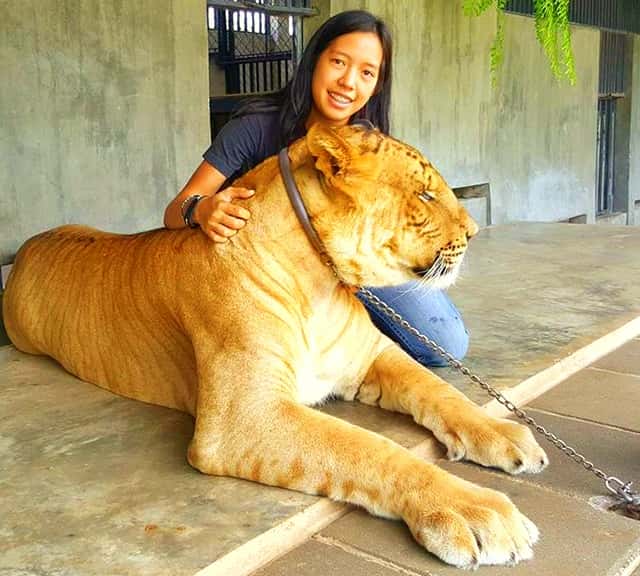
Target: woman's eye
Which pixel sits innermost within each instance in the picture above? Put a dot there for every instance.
(369, 74)
(425, 196)
(337, 61)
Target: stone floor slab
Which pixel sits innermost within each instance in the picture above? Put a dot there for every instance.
(532, 294)
(597, 395)
(617, 452)
(576, 539)
(626, 359)
(316, 559)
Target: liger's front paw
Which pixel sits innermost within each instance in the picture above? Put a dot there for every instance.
(495, 442)
(478, 526)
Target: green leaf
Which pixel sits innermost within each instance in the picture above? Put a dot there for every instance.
(553, 31)
(496, 55)
(476, 7)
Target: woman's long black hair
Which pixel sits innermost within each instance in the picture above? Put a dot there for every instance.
(294, 101)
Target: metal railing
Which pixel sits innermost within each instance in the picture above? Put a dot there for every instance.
(613, 15)
(256, 43)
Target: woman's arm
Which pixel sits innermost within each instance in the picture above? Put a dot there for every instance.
(215, 213)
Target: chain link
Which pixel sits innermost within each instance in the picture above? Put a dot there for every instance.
(622, 490)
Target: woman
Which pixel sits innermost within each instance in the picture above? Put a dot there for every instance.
(344, 75)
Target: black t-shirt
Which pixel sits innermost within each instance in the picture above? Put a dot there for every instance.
(243, 143)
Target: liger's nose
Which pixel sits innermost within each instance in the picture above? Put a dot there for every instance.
(470, 226)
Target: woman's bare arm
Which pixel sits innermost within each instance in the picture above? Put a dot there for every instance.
(216, 214)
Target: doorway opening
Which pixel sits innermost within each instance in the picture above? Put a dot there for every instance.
(253, 48)
(614, 122)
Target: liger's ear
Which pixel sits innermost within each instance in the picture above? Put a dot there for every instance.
(331, 151)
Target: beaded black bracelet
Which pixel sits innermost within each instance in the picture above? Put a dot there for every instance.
(187, 208)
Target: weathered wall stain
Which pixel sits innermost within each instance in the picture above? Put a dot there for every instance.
(104, 112)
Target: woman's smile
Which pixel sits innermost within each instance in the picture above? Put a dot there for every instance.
(340, 100)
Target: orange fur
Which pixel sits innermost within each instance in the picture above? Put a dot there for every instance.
(243, 335)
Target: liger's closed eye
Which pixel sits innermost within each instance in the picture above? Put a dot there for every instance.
(425, 196)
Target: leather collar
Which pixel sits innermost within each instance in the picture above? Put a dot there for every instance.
(301, 211)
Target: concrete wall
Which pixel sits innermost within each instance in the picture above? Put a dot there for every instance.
(543, 163)
(104, 112)
(634, 143)
(531, 138)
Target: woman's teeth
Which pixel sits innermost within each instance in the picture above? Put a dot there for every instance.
(340, 98)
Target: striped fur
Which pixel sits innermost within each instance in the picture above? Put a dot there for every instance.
(247, 335)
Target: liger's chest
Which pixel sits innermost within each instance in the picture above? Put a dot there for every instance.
(340, 345)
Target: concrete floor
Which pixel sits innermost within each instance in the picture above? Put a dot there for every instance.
(91, 483)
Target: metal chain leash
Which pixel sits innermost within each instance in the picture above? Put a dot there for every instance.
(620, 489)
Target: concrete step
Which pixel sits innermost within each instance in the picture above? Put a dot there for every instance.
(613, 219)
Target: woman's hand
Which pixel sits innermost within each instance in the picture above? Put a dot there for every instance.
(217, 215)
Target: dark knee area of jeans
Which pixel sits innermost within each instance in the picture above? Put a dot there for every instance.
(456, 346)
(454, 338)
(431, 313)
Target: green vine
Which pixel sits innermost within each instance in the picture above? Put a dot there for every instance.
(552, 30)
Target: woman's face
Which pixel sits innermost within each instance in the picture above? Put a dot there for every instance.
(345, 77)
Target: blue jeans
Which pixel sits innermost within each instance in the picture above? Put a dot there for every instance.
(430, 312)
